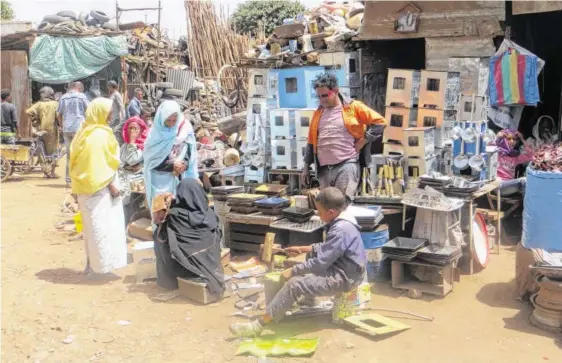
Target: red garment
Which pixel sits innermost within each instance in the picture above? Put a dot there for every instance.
(143, 131)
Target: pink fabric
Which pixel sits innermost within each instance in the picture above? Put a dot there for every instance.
(507, 164)
(335, 143)
(143, 131)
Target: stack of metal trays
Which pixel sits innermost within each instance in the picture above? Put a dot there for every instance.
(298, 214)
(243, 203)
(272, 206)
(438, 255)
(435, 181)
(367, 218)
(221, 193)
(403, 249)
(272, 190)
(461, 188)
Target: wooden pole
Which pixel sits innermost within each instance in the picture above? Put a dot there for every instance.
(159, 40)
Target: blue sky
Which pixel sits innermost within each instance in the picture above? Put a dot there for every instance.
(173, 13)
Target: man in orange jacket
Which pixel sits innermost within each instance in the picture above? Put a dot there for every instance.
(339, 137)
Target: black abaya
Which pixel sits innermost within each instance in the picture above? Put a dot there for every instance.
(191, 241)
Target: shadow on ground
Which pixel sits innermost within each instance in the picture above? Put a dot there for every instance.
(66, 276)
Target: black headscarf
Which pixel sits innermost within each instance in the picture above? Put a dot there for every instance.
(191, 230)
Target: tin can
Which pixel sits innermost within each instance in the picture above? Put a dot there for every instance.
(313, 27)
(293, 45)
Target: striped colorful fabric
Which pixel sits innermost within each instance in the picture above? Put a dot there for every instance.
(513, 79)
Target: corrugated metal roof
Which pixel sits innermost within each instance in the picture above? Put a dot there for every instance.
(181, 78)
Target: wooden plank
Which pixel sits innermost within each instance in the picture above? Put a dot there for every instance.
(458, 47)
(241, 246)
(14, 77)
(267, 253)
(254, 218)
(249, 228)
(437, 18)
(530, 7)
(249, 238)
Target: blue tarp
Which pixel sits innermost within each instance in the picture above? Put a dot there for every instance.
(62, 59)
(542, 214)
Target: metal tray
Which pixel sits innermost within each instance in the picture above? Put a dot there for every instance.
(552, 272)
(408, 244)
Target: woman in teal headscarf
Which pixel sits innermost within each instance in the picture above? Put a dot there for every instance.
(170, 151)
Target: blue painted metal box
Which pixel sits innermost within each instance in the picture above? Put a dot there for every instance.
(296, 86)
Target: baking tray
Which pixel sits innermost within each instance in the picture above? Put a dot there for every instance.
(274, 202)
(406, 244)
(298, 211)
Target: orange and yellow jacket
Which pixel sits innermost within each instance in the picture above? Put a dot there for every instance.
(360, 120)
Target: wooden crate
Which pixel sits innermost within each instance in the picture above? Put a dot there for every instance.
(401, 281)
(433, 87)
(402, 88)
(399, 118)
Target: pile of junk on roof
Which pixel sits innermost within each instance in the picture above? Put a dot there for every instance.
(152, 62)
(297, 41)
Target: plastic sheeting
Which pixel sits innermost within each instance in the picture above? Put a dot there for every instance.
(57, 60)
(543, 210)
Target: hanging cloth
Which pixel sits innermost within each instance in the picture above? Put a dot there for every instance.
(513, 79)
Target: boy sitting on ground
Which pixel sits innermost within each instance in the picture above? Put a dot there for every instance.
(336, 266)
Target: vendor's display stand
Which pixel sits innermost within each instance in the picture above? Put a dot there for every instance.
(247, 231)
(484, 190)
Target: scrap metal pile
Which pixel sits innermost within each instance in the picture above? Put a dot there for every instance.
(548, 158)
(298, 40)
(143, 49)
(95, 22)
(547, 313)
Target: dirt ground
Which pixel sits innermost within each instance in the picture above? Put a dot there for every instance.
(45, 300)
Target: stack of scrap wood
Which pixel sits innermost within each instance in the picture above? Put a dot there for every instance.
(212, 44)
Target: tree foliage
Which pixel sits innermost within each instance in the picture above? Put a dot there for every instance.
(270, 12)
(7, 11)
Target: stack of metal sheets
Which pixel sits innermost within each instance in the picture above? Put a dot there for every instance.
(221, 193)
(403, 249)
(439, 255)
(367, 218)
(243, 203)
(298, 214)
(272, 206)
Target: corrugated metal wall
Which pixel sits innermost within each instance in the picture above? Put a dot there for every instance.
(14, 77)
(181, 78)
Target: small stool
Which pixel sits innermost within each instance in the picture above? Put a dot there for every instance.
(349, 303)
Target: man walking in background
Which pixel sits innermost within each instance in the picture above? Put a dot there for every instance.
(117, 110)
(135, 105)
(70, 115)
(9, 128)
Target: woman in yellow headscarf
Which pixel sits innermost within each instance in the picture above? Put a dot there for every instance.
(94, 159)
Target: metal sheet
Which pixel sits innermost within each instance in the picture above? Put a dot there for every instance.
(181, 78)
(14, 77)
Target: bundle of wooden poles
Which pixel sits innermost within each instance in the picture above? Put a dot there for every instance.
(212, 43)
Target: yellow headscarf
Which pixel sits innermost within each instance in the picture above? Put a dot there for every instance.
(94, 152)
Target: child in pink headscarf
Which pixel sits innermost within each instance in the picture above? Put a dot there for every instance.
(509, 143)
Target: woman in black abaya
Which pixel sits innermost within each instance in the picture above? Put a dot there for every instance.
(187, 240)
